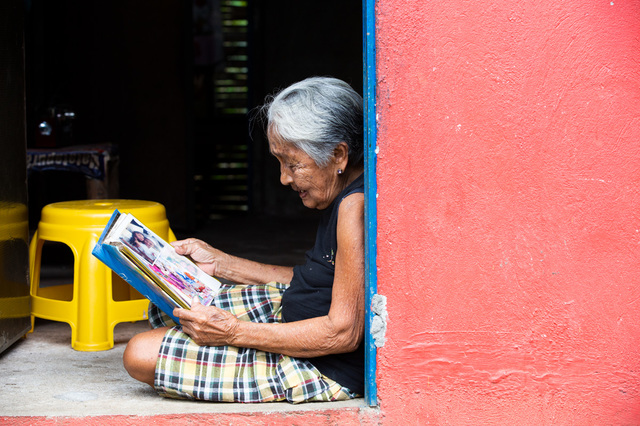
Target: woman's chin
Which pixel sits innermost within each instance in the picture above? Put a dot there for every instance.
(308, 203)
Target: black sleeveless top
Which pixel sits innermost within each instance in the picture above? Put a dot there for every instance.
(309, 294)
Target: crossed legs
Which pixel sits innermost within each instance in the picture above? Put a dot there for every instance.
(141, 354)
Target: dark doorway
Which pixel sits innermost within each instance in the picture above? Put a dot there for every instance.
(135, 75)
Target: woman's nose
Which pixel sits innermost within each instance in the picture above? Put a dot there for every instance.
(285, 176)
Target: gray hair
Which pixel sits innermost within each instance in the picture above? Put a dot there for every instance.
(315, 115)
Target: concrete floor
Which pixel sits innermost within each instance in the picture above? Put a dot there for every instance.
(41, 375)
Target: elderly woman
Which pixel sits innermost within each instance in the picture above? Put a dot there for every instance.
(280, 333)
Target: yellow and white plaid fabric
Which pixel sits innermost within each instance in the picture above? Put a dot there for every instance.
(185, 370)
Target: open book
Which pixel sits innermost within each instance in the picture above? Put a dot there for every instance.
(152, 266)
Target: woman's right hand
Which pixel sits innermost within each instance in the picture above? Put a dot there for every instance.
(207, 258)
(232, 268)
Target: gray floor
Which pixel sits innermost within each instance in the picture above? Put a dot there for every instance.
(41, 375)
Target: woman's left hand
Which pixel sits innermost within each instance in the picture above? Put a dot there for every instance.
(208, 325)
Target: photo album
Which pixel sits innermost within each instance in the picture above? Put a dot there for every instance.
(152, 266)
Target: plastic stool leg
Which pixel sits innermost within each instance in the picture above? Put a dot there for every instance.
(35, 257)
(94, 332)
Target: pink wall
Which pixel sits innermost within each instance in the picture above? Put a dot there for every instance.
(509, 211)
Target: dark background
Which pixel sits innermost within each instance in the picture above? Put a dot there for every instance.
(131, 74)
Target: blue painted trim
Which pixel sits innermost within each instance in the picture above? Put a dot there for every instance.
(371, 190)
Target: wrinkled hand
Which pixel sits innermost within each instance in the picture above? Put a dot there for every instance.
(208, 325)
(206, 257)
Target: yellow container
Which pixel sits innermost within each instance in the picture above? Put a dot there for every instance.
(97, 299)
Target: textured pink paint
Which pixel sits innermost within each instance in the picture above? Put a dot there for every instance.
(509, 211)
(343, 416)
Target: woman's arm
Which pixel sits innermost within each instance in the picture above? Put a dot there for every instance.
(340, 331)
(220, 264)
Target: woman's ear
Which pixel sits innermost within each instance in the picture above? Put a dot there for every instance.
(341, 155)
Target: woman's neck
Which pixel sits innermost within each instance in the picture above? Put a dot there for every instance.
(352, 173)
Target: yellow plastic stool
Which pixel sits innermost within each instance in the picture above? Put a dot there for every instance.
(14, 286)
(88, 304)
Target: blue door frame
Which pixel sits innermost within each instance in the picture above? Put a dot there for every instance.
(369, 92)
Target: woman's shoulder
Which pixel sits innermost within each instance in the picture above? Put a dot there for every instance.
(352, 198)
(349, 201)
(351, 210)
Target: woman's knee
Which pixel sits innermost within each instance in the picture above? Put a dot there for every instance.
(141, 353)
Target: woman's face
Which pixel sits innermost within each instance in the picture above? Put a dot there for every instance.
(317, 187)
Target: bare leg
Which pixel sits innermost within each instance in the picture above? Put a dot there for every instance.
(141, 354)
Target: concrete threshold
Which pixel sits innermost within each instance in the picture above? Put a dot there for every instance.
(42, 376)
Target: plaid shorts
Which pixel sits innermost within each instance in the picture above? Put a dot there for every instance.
(185, 370)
